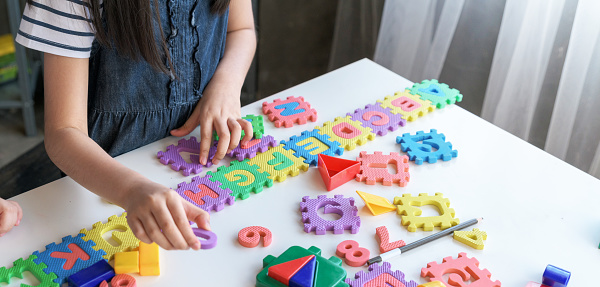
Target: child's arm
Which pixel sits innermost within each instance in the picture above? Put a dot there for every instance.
(219, 107)
(150, 206)
(10, 215)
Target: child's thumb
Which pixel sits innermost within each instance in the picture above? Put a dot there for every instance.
(184, 130)
(198, 215)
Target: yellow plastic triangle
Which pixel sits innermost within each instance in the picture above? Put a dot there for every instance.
(376, 204)
(473, 238)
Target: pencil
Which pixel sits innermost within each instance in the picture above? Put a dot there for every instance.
(393, 253)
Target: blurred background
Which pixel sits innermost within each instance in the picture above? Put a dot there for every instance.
(531, 67)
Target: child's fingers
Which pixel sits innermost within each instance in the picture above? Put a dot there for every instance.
(198, 215)
(138, 229)
(151, 228)
(248, 132)
(7, 221)
(188, 126)
(224, 137)
(236, 134)
(180, 219)
(169, 228)
(205, 140)
(19, 213)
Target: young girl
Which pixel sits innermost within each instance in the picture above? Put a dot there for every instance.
(121, 74)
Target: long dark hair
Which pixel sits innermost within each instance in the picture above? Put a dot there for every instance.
(130, 29)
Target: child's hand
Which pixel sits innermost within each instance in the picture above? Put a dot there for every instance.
(152, 207)
(218, 109)
(10, 215)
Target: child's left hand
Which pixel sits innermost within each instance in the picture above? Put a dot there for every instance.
(10, 215)
(219, 110)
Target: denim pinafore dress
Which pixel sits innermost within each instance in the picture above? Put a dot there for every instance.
(130, 104)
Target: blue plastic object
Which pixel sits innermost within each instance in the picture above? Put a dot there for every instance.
(290, 109)
(426, 147)
(305, 277)
(555, 277)
(93, 275)
(333, 147)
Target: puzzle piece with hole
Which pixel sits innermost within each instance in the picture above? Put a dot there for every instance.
(289, 111)
(473, 238)
(438, 94)
(172, 156)
(380, 120)
(205, 193)
(458, 272)
(310, 144)
(408, 105)
(347, 132)
(408, 207)
(122, 235)
(373, 168)
(37, 270)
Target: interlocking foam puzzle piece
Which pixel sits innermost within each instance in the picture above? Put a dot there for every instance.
(473, 238)
(432, 148)
(329, 272)
(373, 168)
(68, 257)
(407, 206)
(438, 94)
(149, 259)
(305, 277)
(376, 204)
(121, 280)
(254, 146)
(380, 120)
(250, 236)
(555, 277)
(347, 132)
(172, 156)
(384, 240)
(20, 266)
(127, 262)
(409, 106)
(343, 206)
(336, 171)
(258, 128)
(380, 276)
(283, 272)
(460, 270)
(289, 111)
(432, 284)
(92, 276)
(123, 236)
(205, 193)
(209, 236)
(353, 254)
(241, 178)
(310, 144)
(279, 163)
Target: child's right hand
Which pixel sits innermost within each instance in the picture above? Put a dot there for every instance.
(152, 207)
(10, 215)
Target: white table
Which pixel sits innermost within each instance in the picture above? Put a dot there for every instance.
(538, 210)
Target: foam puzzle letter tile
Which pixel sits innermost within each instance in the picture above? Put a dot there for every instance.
(173, 157)
(373, 168)
(409, 106)
(279, 163)
(68, 257)
(127, 262)
(343, 206)
(149, 259)
(438, 94)
(310, 144)
(20, 266)
(380, 276)
(329, 272)
(251, 148)
(206, 194)
(123, 236)
(241, 178)
(250, 236)
(473, 238)
(347, 132)
(459, 271)
(427, 147)
(384, 240)
(408, 207)
(380, 120)
(289, 111)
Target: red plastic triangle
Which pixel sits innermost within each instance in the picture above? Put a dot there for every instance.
(337, 171)
(284, 271)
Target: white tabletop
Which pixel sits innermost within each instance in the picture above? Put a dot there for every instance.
(538, 210)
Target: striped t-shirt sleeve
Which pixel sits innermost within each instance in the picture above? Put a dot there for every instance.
(60, 27)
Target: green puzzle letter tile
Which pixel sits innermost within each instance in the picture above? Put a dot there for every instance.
(241, 178)
(20, 266)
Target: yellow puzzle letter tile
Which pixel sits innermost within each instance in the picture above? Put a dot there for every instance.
(408, 208)
(473, 238)
(279, 163)
(347, 132)
(408, 105)
(122, 235)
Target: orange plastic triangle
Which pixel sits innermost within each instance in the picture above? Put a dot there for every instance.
(284, 271)
(337, 171)
(376, 204)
